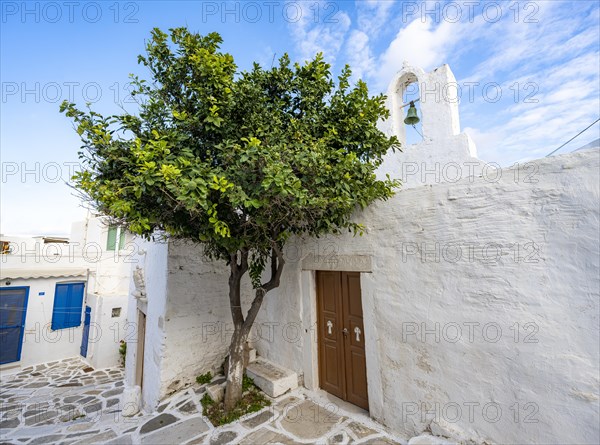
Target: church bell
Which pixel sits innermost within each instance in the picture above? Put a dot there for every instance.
(411, 116)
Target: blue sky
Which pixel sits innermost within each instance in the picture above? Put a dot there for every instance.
(543, 57)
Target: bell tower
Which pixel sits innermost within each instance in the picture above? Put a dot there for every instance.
(444, 149)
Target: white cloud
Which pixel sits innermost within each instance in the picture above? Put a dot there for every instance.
(519, 47)
(558, 58)
(318, 33)
(420, 44)
(359, 55)
(558, 53)
(373, 15)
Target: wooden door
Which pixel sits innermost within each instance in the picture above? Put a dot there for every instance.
(139, 356)
(342, 363)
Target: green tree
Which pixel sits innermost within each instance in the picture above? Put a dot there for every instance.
(238, 162)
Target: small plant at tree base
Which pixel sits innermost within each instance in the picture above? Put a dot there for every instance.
(247, 383)
(204, 378)
(122, 352)
(239, 162)
(252, 400)
(206, 401)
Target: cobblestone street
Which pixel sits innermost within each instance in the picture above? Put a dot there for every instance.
(67, 402)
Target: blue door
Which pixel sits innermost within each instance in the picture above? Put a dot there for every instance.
(13, 306)
(86, 331)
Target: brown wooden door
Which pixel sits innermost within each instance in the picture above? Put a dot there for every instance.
(342, 363)
(139, 356)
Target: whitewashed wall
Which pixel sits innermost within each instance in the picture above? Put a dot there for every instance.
(480, 302)
(109, 290)
(40, 343)
(510, 325)
(153, 260)
(198, 323)
(106, 329)
(480, 293)
(107, 275)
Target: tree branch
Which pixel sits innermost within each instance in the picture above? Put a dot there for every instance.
(244, 261)
(235, 278)
(277, 263)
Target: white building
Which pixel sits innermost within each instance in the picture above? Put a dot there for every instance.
(469, 308)
(65, 297)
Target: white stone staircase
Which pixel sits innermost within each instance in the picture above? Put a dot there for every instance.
(272, 379)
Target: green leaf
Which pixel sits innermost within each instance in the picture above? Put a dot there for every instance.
(234, 159)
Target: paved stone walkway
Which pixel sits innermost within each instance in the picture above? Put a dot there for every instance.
(68, 403)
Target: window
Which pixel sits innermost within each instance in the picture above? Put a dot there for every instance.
(114, 233)
(68, 303)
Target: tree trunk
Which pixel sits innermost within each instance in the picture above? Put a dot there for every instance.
(235, 371)
(242, 327)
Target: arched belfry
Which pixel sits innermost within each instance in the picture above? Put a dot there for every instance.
(442, 143)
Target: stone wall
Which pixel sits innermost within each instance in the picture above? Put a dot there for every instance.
(481, 309)
(197, 320)
(153, 260)
(480, 301)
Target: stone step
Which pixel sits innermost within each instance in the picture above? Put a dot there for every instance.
(273, 379)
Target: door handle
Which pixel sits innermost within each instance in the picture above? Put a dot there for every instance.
(345, 331)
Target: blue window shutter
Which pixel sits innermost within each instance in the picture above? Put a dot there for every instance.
(75, 304)
(68, 303)
(59, 313)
